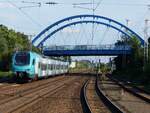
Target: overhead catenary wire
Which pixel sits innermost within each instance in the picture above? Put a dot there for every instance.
(24, 13)
(98, 4)
(94, 9)
(31, 2)
(113, 4)
(82, 7)
(82, 3)
(37, 4)
(104, 35)
(29, 6)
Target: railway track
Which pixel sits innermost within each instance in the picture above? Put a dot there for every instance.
(5, 85)
(134, 90)
(94, 101)
(66, 100)
(62, 94)
(123, 97)
(26, 90)
(16, 89)
(13, 104)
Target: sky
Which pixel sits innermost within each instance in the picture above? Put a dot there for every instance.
(33, 20)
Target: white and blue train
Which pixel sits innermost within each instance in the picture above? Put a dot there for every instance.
(30, 65)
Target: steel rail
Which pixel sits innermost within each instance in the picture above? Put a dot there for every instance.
(129, 90)
(83, 98)
(113, 108)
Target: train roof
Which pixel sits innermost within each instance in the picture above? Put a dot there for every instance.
(40, 55)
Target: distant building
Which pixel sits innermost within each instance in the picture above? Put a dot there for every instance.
(72, 65)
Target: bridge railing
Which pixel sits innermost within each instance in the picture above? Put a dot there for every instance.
(88, 47)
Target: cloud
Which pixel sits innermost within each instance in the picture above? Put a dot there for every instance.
(9, 16)
(6, 12)
(5, 5)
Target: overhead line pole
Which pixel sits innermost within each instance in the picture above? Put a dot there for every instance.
(93, 11)
(124, 55)
(146, 40)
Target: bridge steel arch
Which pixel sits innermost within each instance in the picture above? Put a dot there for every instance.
(79, 19)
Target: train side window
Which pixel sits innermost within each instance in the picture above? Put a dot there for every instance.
(39, 65)
(48, 66)
(54, 67)
(51, 66)
(33, 62)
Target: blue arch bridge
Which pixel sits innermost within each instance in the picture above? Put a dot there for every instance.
(84, 50)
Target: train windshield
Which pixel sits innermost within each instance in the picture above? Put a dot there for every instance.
(22, 58)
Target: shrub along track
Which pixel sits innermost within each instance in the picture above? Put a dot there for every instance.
(128, 102)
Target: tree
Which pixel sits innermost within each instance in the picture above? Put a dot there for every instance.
(9, 42)
(3, 46)
(147, 67)
(134, 61)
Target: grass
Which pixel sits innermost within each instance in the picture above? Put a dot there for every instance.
(5, 74)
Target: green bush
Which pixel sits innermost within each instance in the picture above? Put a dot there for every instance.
(6, 74)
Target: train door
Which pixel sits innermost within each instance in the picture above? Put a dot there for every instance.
(54, 67)
(44, 67)
(51, 69)
(39, 68)
(36, 66)
(47, 68)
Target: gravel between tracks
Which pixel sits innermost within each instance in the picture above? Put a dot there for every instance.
(59, 97)
(66, 100)
(13, 88)
(126, 101)
(138, 91)
(11, 94)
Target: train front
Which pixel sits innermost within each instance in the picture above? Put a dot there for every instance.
(21, 65)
